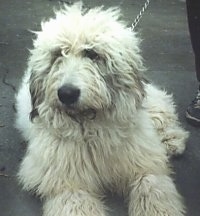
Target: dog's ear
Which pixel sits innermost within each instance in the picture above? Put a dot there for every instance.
(37, 93)
(39, 64)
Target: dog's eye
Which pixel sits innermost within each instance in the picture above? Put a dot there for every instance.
(56, 54)
(91, 54)
(59, 53)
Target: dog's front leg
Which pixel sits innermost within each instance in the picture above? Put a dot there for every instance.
(155, 195)
(76, 203)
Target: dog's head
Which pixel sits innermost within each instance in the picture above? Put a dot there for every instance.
(85, 62)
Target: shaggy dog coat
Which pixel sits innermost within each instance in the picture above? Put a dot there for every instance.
(92, 122)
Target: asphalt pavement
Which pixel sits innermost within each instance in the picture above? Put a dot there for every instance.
(167, 54)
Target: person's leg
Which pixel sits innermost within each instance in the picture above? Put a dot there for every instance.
(193, 13)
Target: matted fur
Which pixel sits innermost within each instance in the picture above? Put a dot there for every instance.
(118, 134)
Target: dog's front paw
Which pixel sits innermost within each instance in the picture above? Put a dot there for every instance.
(78, 203)
(175, 141)
(155, 195)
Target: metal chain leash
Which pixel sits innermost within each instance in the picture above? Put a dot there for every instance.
(139, 16)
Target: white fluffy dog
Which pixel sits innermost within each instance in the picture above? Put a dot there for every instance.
(92, 122)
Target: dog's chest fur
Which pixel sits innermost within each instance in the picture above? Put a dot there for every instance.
(91, 158)
(91, 155)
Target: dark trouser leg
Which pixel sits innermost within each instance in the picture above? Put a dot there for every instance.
(193, 12)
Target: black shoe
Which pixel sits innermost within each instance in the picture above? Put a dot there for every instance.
(193, 111)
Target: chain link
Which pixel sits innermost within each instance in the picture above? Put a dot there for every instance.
(139, 16)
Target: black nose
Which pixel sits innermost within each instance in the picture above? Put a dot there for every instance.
(68, 94)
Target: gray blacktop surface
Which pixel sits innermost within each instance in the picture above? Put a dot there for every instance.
(168, 55)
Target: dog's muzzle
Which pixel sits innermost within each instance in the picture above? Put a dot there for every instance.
(68, 94)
